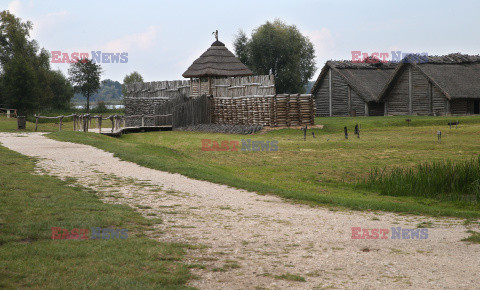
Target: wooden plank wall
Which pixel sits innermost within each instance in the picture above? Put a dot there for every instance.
(236, 86)
(397, 99)
(439, 102)
(421, 99)
(193, 112)
(339, 96)
(357, 104)
(321, 98)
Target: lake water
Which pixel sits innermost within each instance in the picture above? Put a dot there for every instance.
(110, 107)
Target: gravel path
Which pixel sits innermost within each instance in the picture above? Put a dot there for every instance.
(252, 240)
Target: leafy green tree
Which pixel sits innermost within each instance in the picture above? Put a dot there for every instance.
(134, 77)
(85, 77)
(26, 81)
(241, 47)
(280, 49)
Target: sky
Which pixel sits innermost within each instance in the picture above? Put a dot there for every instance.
(163, 38)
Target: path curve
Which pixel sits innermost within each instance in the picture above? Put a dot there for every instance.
(254, 240)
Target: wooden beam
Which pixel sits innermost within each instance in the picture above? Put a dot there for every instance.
(349, 99)
(430, 97)
(330, 92)
(410, 88)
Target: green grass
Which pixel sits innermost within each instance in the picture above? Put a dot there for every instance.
(321, 171)
(442, 180)
(290, 277)
(31, 204)
(474, 238)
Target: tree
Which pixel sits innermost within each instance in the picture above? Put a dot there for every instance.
(134, 77)
(26, 81)
(241, 47)
(85, 76)
(280, 49)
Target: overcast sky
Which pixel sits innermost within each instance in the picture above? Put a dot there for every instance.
(162, 38)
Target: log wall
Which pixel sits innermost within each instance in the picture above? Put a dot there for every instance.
(273, 111)
(142, 98)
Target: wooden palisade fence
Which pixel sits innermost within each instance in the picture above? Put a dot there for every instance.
(273, 111)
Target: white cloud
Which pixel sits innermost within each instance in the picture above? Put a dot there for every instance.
(15, 7)
(324, 44)
(45, 23)
(144, 41)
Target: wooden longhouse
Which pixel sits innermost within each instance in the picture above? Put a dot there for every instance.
(434, 85)
(216, 62)
(346, 88)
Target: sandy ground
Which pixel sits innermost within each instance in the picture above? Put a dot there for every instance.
(253, 241)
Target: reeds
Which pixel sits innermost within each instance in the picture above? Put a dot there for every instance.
(441, 180)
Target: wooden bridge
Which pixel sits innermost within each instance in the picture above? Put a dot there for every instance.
(89, 123)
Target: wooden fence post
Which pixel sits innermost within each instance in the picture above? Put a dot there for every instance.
(143, 121)
(111, 119)
(60, 123)
(36, 123)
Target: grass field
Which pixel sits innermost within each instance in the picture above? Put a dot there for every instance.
(31, 204)
(321, 170)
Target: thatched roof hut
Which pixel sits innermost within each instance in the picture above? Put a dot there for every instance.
(216, 62)
(437, 85)
(346, 88)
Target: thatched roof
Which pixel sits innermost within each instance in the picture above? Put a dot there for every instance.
(455, 75)
(217, 61)
(367, 79)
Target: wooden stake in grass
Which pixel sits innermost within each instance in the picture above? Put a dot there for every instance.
(346, 132)
(305, 133)
(357, 131)
(439, 136)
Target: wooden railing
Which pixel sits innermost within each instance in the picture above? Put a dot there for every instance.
(8, 112)
(83, 122)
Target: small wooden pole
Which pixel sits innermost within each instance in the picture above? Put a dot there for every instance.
(36, 123)
(99, 123)
(60, 123)
(111, 119)
(143, 121)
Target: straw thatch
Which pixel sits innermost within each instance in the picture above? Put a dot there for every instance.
(455, 75)
(217, 61)
(366, 79)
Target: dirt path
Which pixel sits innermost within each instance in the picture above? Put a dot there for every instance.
(256, 241)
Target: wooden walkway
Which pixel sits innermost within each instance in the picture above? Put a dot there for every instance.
(125, 130)
(83, 123)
